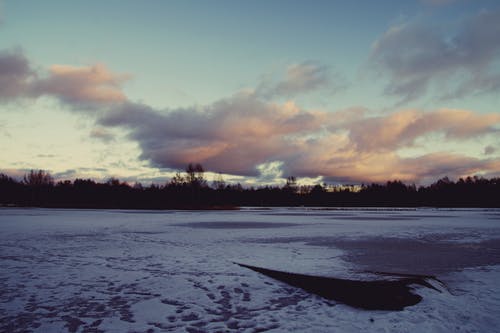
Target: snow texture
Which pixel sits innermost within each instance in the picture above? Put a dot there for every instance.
(173, 271)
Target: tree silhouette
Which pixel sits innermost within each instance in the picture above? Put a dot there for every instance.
(291, 184)
(190, 191)
(38, 183)
(195, 175)
(177, 181)
(38, 178)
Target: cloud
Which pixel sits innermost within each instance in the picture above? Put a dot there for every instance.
(249, 135)
(81, 85)
(15, 74)
(418, 58)
(430, 167)
(402, 128)
(233, 135)
(17, 174)
(300, 79)
(81, 173)
(488, 150)
(243, 134)
(336, 157)
(86, 86)
(102, 134)
(351, 166)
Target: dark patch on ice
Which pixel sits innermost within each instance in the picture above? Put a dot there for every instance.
(432, 254)
(418, 256)
(307, 213)
(363, 214)
(390, 294)
(378, 218)
(142, 212)
(236, 225)
(428, 216)
(134, 232)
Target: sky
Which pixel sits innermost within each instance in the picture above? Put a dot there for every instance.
(343, 92)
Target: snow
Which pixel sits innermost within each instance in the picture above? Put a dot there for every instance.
(162, 271)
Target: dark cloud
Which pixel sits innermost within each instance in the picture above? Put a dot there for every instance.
(82, 173)
(67, 174)
(417, 58)
(15, 74)
(488, 150)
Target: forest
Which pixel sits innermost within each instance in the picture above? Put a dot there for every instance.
(191, 190)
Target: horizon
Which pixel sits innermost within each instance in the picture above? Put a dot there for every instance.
(192, 191)
(340, 92)
(212, 179)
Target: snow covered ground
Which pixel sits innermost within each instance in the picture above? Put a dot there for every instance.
(162, 271)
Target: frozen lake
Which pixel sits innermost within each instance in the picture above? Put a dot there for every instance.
(174, 271)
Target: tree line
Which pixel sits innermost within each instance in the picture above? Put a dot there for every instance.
(191, 190)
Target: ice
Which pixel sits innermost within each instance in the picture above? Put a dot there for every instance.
(161, 271)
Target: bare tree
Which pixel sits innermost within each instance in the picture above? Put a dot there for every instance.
(38, 178)
(177, 180)
(195, 175)
(291, 184)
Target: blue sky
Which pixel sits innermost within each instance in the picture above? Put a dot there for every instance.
(337, 91)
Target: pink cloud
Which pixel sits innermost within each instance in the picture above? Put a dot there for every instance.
(233, 135)
(352, 166)
(85, 86)
(238, 134)
(462, 123)
(403, 128)
(81, 85)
